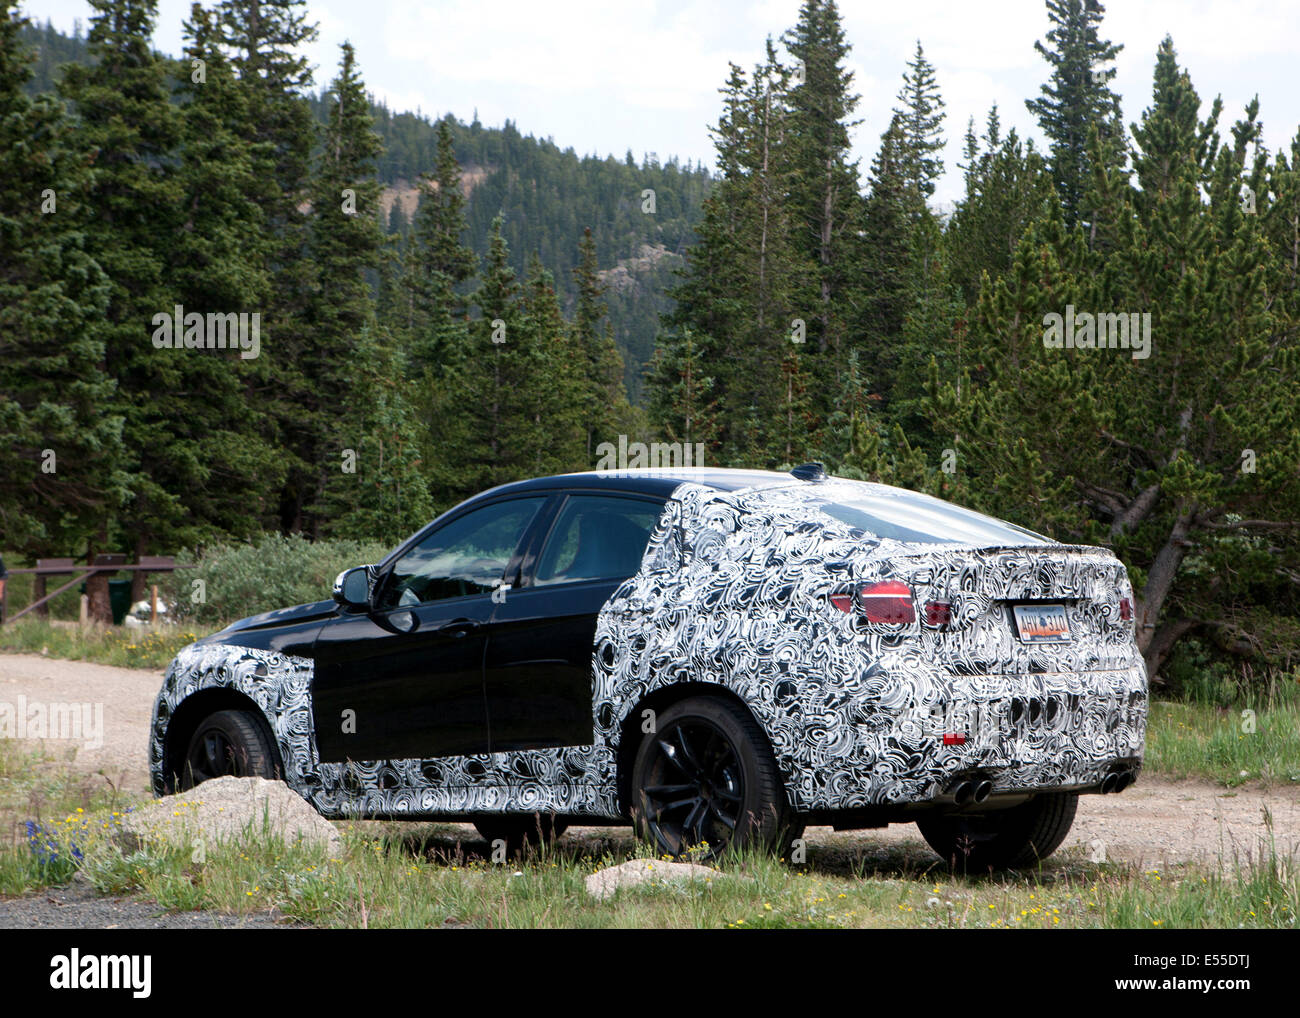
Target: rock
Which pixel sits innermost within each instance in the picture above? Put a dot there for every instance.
(223, 809)
(603, 883)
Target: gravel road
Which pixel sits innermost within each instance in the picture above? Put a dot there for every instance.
(1156, 822)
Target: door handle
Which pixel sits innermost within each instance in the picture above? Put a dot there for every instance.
(459, 627)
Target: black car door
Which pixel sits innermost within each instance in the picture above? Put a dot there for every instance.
(540, 640)
(405, 679)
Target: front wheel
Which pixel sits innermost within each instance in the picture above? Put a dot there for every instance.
(1023, 835)
(227, 743)
(705, 782)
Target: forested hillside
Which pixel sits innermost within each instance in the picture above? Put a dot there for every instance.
(547, 196)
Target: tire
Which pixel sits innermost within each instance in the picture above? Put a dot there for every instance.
(1012, 838)
(705, 783)
(229, 742)
(516, 831)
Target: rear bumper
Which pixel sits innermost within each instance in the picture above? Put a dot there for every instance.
(1044, 732)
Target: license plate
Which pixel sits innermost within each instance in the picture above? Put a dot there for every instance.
(1042, 623)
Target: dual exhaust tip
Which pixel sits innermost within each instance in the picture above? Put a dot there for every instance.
(972, 792)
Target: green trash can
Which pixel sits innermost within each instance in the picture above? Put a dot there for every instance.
(119, 599)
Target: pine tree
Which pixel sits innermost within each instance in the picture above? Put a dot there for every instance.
(484, 431)
(604, 399)
(920, 119)
(263, 41)
(61, 455)
(1007, 189)
(1076, 98)
(123, 108)
(888, 226)
(823, 180)
(346, 245)
(438, 264)
(217, 265)
(385, 496)
(746, 281)
(558, 395)
(680, 392)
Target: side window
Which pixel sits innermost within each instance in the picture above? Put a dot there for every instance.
(597, 537)
(467, 556)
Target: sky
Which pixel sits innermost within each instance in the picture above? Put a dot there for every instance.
(606, 76)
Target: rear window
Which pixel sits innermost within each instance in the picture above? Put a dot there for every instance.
(924, 520)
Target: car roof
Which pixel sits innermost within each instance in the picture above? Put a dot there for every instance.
(650, 481)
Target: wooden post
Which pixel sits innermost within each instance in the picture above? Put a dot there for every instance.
(38, 592)
(49, 567)
(85, 610)
(153, 601)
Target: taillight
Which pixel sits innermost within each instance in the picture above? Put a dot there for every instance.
(1125, 609)
(938, 613)
(844, 602)
(888, 602)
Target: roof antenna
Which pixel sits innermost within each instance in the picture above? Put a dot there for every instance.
(810, 472)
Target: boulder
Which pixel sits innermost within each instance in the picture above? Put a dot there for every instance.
(603, 883)
(224, 809)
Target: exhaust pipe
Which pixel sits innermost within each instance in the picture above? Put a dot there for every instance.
(963, 792)
(982, 791)
(1109, 782)
(1124, 781)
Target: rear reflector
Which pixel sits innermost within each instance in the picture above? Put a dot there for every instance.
(953, 739)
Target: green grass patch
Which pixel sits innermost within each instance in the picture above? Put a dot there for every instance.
(124, 647)
(402, 875)
(1255, 743)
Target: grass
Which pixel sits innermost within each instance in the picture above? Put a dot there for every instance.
(401, 875)
(124, 647)
(1256, 741)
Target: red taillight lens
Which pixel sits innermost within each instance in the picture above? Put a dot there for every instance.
(888, 602)
(1125, 609)
(938, 613)
(844, 602)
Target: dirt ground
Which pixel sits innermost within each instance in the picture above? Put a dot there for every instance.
(1156, 822)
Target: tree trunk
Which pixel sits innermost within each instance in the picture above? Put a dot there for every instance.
(1161, 578)
(1162, 643)
(138, 578)
(100, 609)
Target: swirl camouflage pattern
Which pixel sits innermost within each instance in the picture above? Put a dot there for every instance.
(736, 592)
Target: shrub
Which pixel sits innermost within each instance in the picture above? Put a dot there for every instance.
(231, 581)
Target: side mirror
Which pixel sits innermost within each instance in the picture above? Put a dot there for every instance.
(352, 587)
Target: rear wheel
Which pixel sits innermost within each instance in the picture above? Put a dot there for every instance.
(1003, 839)
(705, 782)
(227, 743)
